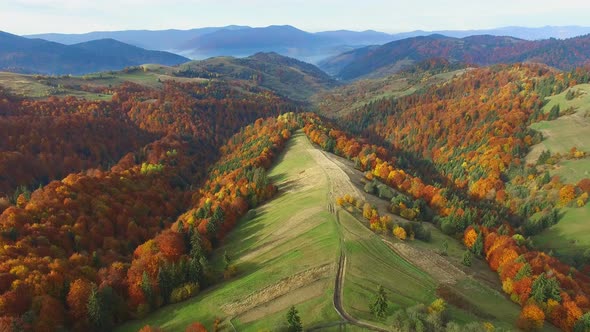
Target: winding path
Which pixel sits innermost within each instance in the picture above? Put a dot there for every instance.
(339, 186)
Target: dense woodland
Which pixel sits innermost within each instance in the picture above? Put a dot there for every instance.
(72, 252)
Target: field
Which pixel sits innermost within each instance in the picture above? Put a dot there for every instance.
(565, 132)
(370, 263)
(39, 87)
(569, 236)
(288, 253)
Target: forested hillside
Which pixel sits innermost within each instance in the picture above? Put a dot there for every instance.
(287, 76)
(73, 241)
(37, 56)
(460, 148)
(482, 50)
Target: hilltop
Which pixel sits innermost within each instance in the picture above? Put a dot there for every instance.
(478, 50)
(287, 76)
(24, 55)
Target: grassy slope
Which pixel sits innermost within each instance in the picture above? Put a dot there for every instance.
(38, 87)
(479, 287)
(566, 132)
(570, 234)
(371, 263)
(272, 246)
(33, 87)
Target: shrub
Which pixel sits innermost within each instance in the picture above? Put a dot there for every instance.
(399, 232)
(184, 292)
(229, 272)
(531, 318)
(467, 258)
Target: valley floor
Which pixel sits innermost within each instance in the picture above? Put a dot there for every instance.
(300, 249)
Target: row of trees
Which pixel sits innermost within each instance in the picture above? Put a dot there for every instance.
(237, 182)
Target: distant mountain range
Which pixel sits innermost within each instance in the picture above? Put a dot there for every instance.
(379, 61)
(286, 40)
(345, 54)
(25, 55)
(160, 40)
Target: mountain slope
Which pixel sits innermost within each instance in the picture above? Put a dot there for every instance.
(286, 76)
(285, 40)
(368, 37)
(241, 41)
(480, 50)
(25, 55)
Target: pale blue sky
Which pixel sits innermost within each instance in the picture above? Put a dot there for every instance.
(76, 16)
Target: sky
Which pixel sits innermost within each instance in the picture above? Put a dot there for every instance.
(79, 16)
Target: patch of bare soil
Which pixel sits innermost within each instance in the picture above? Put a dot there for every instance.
(300, 295)
(286, 286)
(435, 265)
(339, 181)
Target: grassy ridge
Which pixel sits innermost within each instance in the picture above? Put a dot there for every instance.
(295, 233)
(283, 239)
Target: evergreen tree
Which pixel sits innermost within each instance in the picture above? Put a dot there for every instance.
(195, 270)
(543, 157)
(95, 309)
(546, 178)
(379, 306)
(205, 269)
(165, 283)
(95, 259)
(525, 271)
(467, 258)
(544, 288)
(259, 178)
(226, 260)
(583, 324)
(294, 321)
(553, 113)
(212, 229)
(478, 245)
(146, 288)
(445, 248)
(330, 145)
(201, 214)
(196, 250)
